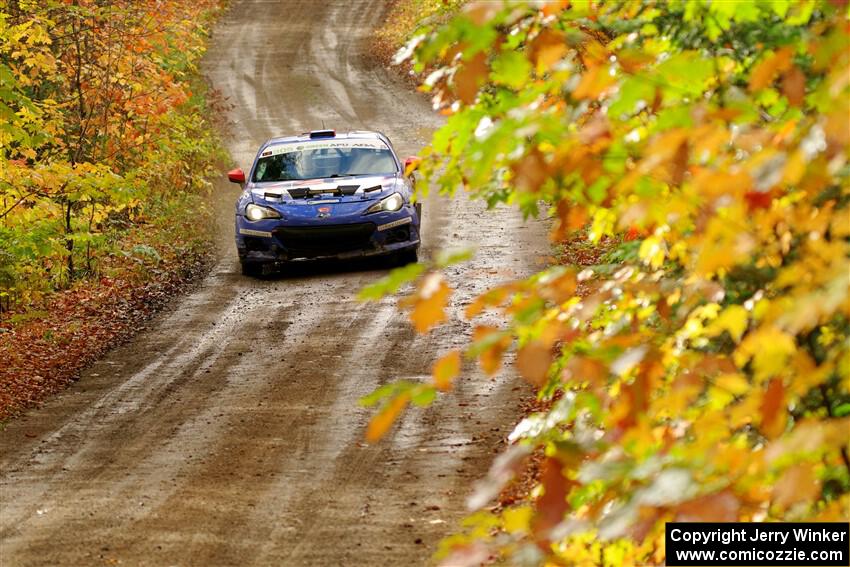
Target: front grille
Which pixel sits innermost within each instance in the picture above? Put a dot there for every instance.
(310, 241)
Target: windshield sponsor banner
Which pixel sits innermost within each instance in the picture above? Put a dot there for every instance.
(293, 147)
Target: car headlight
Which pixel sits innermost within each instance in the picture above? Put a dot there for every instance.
(256, 212)
(392, 203)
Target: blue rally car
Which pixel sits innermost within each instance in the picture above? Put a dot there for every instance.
(325, 195)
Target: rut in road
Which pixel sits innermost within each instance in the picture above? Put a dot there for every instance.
(228, 432)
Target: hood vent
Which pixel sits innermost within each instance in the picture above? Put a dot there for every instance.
(339, 191)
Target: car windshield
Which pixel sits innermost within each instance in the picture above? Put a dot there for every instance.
(322, 159)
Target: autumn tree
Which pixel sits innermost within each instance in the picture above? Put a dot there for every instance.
(99, 122)
(700, 368)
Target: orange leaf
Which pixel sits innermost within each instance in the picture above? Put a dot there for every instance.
(551, 506)
(530, 172)
(758, 200)
(446, 370)
(547, 49)
(429, 302)
(594, 82)
(720, 506)
(773, 409)
(491, 358)
(679, 164)
(666, 146)
(481, 11)
(561, 288)
(570, 218)
(533, 361)
(489, 298)
(764, 73)
(633, 60)
(469, 76)
(554, 6)
(381, 423)
(582, 368)
(794, 86)
(798, 484)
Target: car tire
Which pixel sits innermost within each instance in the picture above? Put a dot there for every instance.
(408, 257)
(252, 269)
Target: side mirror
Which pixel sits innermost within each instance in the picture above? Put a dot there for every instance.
(410, 164)
(236, 175)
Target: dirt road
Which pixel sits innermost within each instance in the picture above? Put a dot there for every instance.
(228, 432)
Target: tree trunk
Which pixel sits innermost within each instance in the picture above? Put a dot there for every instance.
(69, 241)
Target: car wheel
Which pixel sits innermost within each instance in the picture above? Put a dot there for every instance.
(252, 269)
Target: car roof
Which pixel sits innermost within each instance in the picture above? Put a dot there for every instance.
(306, 137)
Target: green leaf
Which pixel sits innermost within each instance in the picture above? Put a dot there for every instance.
(391, 283)
(449, 257)
(842, 410)
(386, 391)
(423, 395)
(636, 93)
(511, 69)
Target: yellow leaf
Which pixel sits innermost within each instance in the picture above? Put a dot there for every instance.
(517, 520)
(744, 412)
(733, 383)
(769, 348)
(446, 370)
(733, 320)
(653, 250)
(724, 244)
(381, 423)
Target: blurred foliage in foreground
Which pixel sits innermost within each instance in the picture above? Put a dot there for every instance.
(104, 140)
(704, 374)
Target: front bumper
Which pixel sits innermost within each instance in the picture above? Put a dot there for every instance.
(283, 240)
